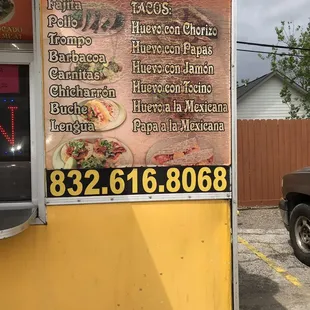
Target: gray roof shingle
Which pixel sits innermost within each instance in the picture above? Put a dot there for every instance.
(242, 90)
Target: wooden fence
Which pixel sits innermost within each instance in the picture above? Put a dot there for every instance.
(268, 149)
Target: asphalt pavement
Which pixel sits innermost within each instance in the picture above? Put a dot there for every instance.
(270, 276)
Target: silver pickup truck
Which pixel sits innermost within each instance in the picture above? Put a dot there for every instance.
(295, 211)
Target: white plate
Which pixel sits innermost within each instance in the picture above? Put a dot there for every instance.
(125, 160)
(111, 125)
(52, 139)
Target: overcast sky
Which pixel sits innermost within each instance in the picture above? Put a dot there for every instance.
(257, 20)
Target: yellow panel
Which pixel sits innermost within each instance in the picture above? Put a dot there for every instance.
(151, 256)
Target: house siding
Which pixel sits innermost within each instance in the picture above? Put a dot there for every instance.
(265, 102)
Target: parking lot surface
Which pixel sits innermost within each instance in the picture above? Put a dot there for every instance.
(270, 276)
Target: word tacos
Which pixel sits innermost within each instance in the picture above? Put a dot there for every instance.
(98, 18)
(99, 72)
(105, 114)
(186, 152)
(92, 153)
(7, 9)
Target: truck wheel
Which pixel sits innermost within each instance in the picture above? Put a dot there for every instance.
(300, 232)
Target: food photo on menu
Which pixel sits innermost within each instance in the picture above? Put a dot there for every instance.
(179, 151)
(109, 71)
(92, 153)
(104, 114)
(98, 18)
(7, 8)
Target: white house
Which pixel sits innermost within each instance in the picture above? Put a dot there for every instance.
(260, 98)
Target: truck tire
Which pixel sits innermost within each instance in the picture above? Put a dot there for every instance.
(300, 232)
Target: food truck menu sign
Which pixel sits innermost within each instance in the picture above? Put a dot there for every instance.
(137, 97)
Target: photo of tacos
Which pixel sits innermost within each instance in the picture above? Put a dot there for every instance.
(180, 151)
(7, 9)
(98, 18)
(105, 114)
(108, 72)
(92, 153)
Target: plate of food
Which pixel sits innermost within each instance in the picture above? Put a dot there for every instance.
(52, 140)
(181, 151)
(108, 72)
(92, 153)
(7, 11)
(98, 18)
(105, 114)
